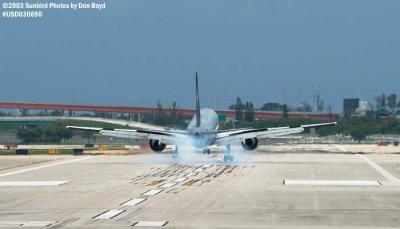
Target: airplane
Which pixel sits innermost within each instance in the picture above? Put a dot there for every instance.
(203, 132)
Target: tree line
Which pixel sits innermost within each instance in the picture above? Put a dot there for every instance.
(173, 118)
(55, 132)
(390, 101)
(245, 111)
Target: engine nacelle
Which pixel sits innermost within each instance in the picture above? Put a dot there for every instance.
(250, 143)
(156, 145)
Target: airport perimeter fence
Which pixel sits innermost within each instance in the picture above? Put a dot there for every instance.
(334, 139)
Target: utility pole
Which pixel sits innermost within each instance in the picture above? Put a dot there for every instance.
(283, 97)
(216, 103)
(316, 97)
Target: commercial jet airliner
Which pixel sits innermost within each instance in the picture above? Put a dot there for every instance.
(202, 132)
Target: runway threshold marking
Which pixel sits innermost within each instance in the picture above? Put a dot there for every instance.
(150, 223)
(109, 214)
(134, 202)
(167, 185)
(152, 192)
(28, 223)
(190, 174)
(180, 179)
(43, 166)
(333, 182)
(381, 170)
(31, 183)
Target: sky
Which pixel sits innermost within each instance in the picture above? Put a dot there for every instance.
(138, 52)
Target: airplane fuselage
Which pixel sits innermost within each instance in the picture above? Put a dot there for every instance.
(204, 134)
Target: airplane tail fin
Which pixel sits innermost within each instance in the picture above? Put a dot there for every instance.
(197, 103)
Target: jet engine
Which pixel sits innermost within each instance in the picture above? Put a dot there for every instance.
(156, 145)
(250, 143)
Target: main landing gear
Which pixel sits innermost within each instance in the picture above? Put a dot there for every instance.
(228, 157)
(175, 153)
(206, 151)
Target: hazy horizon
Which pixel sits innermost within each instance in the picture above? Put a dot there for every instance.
(139, 52)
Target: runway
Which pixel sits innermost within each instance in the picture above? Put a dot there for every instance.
(327, 189)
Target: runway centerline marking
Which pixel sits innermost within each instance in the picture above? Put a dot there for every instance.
(381, 170)
(31, 183)
(43, 166)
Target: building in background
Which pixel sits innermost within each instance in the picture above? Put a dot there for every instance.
(384, 112)
(350, 106)
(363, 108)
(397, 114)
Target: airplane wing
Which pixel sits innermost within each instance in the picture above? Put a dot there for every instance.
(164, 136)
(132, 124)
(237, 136)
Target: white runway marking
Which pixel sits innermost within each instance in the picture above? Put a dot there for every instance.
(152, 192)
(42, 167)
(180, 179)
(341, 148)
(134, 202)
(150, 223)
(190, 174)
(333, 182)
(109, 214)
(167, 185)
(380, 170)
(32, 183)
(28, 223)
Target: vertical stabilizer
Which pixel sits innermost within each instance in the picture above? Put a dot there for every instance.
(197, 103)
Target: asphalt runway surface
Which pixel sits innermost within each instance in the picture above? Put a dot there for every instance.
(268, 188)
